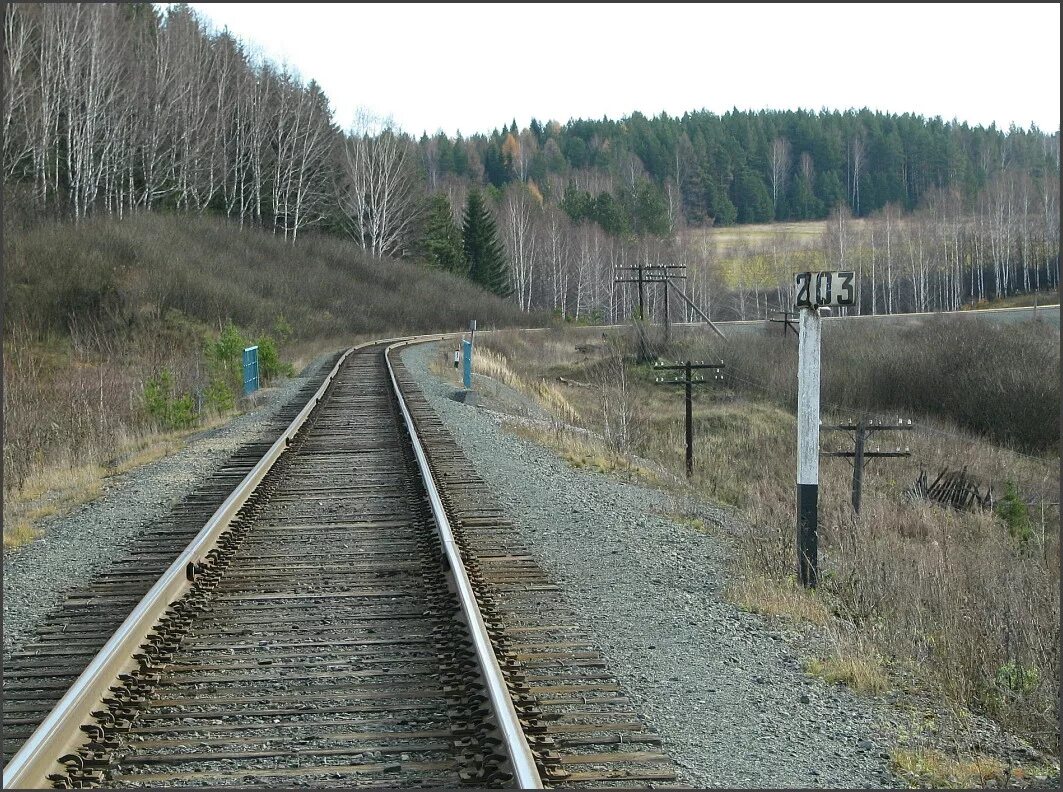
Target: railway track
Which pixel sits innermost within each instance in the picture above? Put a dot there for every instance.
(357, 613)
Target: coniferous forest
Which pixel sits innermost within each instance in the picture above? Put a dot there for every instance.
(122, 108)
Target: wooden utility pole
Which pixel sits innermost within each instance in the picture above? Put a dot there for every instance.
(639, 272)
(667, 328)
(688, 381)
(859, 455)
(787, 321)
(651, 273)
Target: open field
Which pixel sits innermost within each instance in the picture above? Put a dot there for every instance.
(807, 234)
(960, 606)
(1047, 298)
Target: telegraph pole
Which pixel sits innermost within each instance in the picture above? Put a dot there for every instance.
(650, 273)
(667, 328)
(786, 320)
(861, 431)
(688, 381)
(642, 297)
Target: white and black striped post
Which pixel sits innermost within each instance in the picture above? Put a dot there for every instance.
(808, 446)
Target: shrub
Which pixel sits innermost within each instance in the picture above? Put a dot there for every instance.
(1017, 678)
(218, 396)
(225, 364)
(1013, 511)
(269, 362)
(165, 407)
(1001, 382)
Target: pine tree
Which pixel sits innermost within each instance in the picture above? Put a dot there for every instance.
(442, 239)
(483, 250)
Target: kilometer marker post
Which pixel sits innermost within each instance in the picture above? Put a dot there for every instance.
(812, 294)
(808, 446)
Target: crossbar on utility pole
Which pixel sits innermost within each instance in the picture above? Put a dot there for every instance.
(688, 381)
(859, 455)
(786, 320)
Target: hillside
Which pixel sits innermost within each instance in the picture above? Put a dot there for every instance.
(117, 334)
(119, 274)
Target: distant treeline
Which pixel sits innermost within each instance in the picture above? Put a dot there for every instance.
(750, 167)
(120, 108)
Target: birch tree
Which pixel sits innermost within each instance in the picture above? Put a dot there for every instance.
(780, 164)
(381, 198)
(18, 74)
(518, 207)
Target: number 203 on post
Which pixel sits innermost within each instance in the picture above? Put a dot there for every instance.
(815, 289)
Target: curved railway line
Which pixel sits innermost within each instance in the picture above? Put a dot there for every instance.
(352, 610)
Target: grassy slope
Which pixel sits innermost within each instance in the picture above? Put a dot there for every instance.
(93, 311)
(946, 601)
(212, 271)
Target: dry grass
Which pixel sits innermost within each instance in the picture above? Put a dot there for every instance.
(51, 491)
(755, 592)
(851, 663)
(548, 396)
(953, 596)
(1047, 298)
(933, 769)
(62, 485)
(798, 234)
(587, 452)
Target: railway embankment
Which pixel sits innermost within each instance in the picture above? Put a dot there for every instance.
(76, 546)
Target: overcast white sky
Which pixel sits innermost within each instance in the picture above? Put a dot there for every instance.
(474, 67)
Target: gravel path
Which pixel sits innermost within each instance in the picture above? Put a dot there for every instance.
(78, 545)
(724, 688)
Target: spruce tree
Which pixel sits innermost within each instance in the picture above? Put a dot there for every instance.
(442, 239)
(483, 250)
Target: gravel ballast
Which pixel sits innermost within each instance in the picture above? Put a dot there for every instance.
(75, 546)
(724, 688)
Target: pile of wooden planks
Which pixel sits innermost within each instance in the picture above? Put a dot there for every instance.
(955, 489)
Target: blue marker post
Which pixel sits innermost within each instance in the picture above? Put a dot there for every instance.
(466, 368)
(251, 383)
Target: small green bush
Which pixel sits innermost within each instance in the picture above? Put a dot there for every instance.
(1017, 678)
(225, 366)
(1013, 511)
(165, 407)
(218, 396)
(225, 356)
(269, 361)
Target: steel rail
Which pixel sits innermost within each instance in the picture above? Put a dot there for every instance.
(516, 745)
(59, 734)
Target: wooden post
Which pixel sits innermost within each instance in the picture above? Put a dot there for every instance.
(858, 463)
(808, 361)
(688, 382)
(690, 422)
(859, 456)
(667, 328)
(642, 296)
